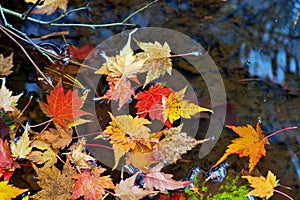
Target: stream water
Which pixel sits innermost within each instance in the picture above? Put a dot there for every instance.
(256, 47)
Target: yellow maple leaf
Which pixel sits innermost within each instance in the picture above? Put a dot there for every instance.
(175, 107)
(49, 6)
(128, 134)
(21, 148)
(125, 64)
(7, 101)
(158, 60)
(43, 155)
(6, 64)
(263, 187)
(8, 192)
(251, 143)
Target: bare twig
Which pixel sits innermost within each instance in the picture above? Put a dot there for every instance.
(139, 10)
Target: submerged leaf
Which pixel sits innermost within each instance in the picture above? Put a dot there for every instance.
(6, 64)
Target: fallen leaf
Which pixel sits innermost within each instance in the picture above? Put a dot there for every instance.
(91, 185)
(7, 192)
(251, 143)
(7, 101)
(64, 108)
(6, 160)
(58, 138)
(6, 64)
(80, 53)
(174, 144)
(158, 60)
(54, 183)
(150, 101)
(21, 148)
(263, 187)
(79, 157)
(43, 155)
(49, 6)
(175, 107)
(126, 190)
(127, 133)
(162, 181)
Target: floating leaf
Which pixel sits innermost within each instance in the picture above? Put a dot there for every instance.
(158, 60)
(64, 108)
(251, 143)
(21, 148)
(6, 64)
(7, 101)
(127, 190)
(91, 185)
(49, 6)
(7, 192)
(6, 160)
(43, 155)
(264, 187)
(54, 183)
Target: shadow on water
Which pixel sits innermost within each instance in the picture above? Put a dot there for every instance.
(255, 45)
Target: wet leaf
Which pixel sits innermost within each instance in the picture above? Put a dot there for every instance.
(175, 144)
(7, 101)
(175, 107)
(59, 138)
(49, 6)
(158, 60)
(80, 53)
(6, 160)
(43, 155)
(91, 185)
(63, 108)
(251, 143)
(162, 181)
(6, 64)
(126, 190)
(54, 183)
(7, 192)
(263, 187)
(21, 148)
(150, 101)
(79, 157)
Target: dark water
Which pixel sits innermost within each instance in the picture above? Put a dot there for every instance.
(255, 45)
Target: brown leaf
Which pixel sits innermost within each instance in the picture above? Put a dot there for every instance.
(7, 101)
(49, 6)
(44, 154)
(6, 64)
(126, 190)
(59, 138)
(55, 184)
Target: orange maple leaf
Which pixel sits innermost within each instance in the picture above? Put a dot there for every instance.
(64, 108)
(251, 143)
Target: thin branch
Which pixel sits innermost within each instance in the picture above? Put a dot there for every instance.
(139, 10)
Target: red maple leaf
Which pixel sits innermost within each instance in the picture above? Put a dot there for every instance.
(80, 53)
(7, 163)
(150, 101)
(64, 108)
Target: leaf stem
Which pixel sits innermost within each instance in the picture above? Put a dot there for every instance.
(21, 113)
(281, 130)
(283, 194)
(40, 124)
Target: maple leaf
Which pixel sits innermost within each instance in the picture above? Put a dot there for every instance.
(6, 64)
(162, 181)
(8, 192)
(175, 107)
(127, 133)
(54, 183)
(43, 155)
(150, 101)
(263, 187)
(158, 60)
(6, 160)
(49, 6)
(251, 143)
(80, 53)
(126, 190)
(59, 138)
(64, 108)
(79, 157)
(7, 101)
(91, 185)
(175, 144)
(21, 148)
